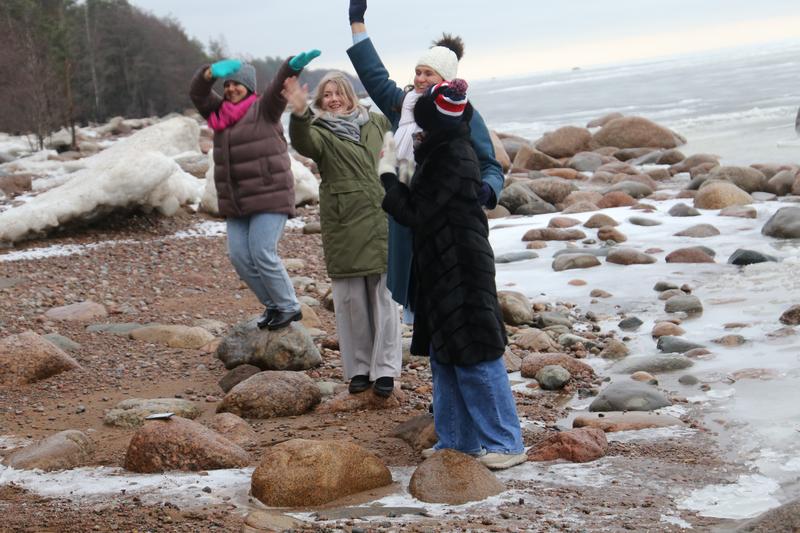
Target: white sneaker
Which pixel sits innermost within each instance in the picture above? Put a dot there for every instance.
(500, 461)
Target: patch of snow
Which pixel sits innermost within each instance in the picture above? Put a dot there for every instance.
(750, 496)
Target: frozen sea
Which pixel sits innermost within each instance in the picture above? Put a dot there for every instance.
(739, 103)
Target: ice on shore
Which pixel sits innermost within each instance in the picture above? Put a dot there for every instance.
(136, 172)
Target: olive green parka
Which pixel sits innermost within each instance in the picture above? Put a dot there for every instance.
(354, 227)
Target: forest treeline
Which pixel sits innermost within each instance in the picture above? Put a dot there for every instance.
(64, 64)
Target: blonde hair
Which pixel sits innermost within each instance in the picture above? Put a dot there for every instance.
(342, 83)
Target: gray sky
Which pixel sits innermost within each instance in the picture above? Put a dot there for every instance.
(503, 37)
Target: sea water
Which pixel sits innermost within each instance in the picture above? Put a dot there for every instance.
(739, 103)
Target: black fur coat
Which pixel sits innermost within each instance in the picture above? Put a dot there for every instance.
(454, 298)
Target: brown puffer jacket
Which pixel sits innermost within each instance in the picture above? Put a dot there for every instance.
(252, 169)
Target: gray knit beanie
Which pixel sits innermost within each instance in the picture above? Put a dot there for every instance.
(246, 75)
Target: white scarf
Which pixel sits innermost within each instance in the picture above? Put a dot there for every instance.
(406, 128)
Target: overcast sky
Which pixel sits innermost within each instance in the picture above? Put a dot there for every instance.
(503, 37)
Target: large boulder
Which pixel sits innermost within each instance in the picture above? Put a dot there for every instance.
(28, 357)
(576, 445)
(303, 472)
(453, 478)
(653, 364)
(784, 224)
(564, 142)
(290, 348)
(272, 394)
(180, 444)
(233, 428)
(63, 451)
(535, 340)
(636, 132)
(720, 194)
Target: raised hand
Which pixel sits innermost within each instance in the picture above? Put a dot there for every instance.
(296, 95)
(225, 67)
(299, 62)
(357, 10)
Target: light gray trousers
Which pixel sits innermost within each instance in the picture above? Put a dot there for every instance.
(368, 326)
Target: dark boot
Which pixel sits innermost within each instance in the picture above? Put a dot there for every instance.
(265, 317)
(384, 386)
(359, 383)
(283, 319)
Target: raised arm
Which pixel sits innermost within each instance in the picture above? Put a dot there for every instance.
(273, 102)
(386, 94)
(204, 98)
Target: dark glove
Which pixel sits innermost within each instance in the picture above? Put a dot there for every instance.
(485, 194)
(389, 181)
(357, 10)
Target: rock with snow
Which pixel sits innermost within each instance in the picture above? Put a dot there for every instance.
(271, 394)
(131, 413)
(628, 256)
(135, 172)
(180, 444)
(290, 348)
(302, 472)
(63, 451)
(692, 254)
(580, 445)
(27, 357)
(684, 303)
(453, 478)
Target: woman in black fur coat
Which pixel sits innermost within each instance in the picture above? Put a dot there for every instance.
(458, 320)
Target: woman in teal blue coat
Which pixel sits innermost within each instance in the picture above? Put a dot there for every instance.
(438, 63)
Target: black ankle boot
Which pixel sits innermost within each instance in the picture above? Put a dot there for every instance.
(359, 383)
(265, 317)
(283, 319)
(384, 386)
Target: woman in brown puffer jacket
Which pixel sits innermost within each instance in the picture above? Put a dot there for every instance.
(253, 177)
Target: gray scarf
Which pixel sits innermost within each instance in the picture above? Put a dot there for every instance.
(347, 125)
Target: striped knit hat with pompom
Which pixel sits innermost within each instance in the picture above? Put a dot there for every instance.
(442, 106)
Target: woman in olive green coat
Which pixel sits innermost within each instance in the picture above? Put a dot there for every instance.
(345, 140)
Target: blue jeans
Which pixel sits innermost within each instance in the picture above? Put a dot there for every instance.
(253, 249)
(474, 409)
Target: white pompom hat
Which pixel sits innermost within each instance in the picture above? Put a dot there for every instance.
(442, 60)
